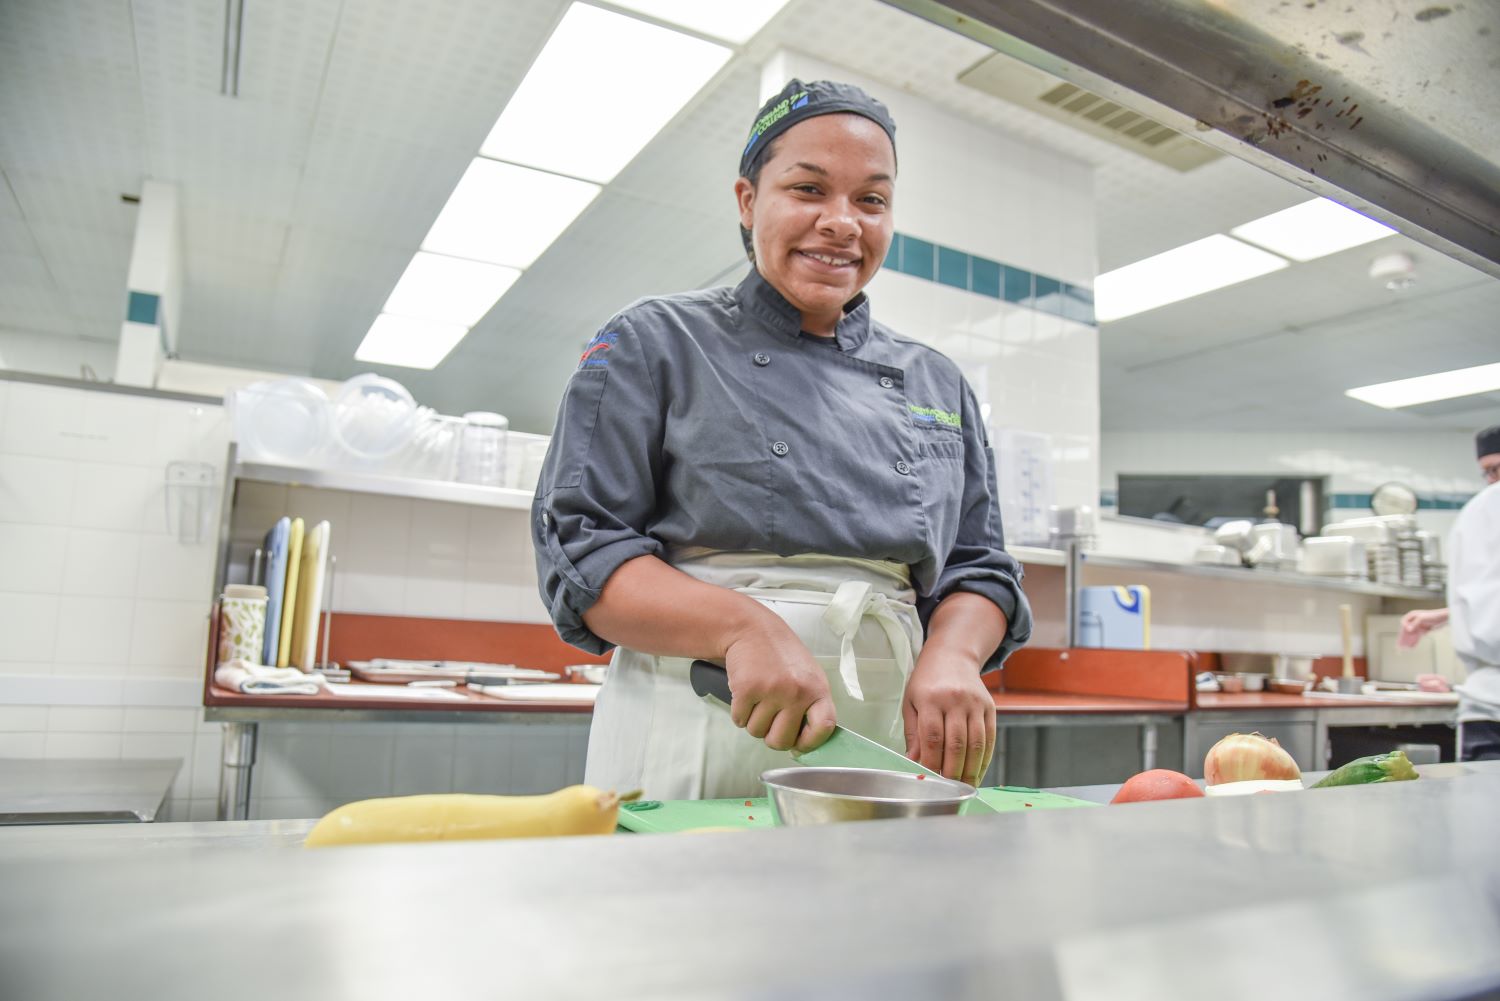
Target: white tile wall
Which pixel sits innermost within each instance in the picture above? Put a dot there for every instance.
(102, 613)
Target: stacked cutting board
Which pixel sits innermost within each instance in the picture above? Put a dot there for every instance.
(296, 569)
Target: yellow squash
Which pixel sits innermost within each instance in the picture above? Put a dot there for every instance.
(459, 817)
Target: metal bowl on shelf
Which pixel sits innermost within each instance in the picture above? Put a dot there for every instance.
(802, 796)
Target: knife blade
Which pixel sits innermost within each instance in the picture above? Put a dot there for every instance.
(844, 749)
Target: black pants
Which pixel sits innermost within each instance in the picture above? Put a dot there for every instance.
(1481, 741)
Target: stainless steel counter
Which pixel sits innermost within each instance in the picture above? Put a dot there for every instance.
(1373, 892)
(83, 791)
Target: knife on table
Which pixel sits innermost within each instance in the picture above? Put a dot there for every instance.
(844, 749)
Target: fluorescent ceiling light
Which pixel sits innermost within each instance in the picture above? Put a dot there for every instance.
(409, 341)
(734, 22)
(504, 214)
(1312, 229)
(1180, 273)
(1427, 388)
(449, 289)
(603, 85)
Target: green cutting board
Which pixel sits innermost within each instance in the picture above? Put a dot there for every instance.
(672, 816)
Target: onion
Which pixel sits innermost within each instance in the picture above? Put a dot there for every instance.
(1243, 757)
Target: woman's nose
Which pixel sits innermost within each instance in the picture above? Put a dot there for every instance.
(838, 221)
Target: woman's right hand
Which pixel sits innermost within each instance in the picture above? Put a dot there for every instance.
(1416, 624)
(780, 693)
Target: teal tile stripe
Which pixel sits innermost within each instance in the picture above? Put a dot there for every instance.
(1353, 502)
(935, 263)
(1435, 502)
(142, 307)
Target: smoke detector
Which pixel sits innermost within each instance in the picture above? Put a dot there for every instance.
(1395, 271)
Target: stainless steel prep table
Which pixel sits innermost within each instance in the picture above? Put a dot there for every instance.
(1376, 892)
(84, 791)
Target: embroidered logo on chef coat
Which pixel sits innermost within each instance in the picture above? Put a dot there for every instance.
(595, 355)
(932, 415)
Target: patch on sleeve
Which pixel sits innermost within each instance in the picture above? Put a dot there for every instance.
(596, 354)
(933, 415)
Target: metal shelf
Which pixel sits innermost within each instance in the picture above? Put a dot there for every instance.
(1037, 556)
(1274, 578)
(390, 486)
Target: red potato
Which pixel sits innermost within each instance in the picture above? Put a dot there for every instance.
(1158, 783)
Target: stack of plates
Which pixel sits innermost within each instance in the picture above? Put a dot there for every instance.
(1434, 576)
(1385, 563)
(1409, 551)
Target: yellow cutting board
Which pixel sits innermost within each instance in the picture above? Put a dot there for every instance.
(289, 601)
(310, 598)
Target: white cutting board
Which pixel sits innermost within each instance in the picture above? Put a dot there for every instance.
(582, 694)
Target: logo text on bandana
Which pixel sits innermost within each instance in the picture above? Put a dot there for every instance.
(596, 354)
(932, 415)
(776, 114)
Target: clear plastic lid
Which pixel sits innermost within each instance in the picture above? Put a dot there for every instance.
(282, 421)
(374, 417)
(485, 418)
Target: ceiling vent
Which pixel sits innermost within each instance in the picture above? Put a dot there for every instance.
(1001, 76)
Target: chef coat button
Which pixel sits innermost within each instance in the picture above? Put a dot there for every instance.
(761, 358)
(902, 467)
(781, 448)
(546, 518)
(886, 382)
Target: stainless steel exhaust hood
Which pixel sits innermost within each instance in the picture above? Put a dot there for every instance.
(1388, 106)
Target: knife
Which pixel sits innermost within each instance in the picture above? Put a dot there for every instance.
(844, 749)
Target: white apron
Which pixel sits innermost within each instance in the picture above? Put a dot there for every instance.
(856, 616)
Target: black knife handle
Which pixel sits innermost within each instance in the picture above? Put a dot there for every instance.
(709, 680)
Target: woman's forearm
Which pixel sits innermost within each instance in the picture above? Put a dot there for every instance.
(965, 625)
(649, 606)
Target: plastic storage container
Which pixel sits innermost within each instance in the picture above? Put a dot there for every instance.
(481, 449)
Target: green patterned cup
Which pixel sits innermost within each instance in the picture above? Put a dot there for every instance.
(242, 624)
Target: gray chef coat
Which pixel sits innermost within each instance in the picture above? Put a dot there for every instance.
(710, 419)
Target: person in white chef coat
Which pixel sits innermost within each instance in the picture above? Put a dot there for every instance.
(767, 477)
(1474, 608)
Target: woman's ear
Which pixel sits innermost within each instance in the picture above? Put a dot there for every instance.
(744, 196)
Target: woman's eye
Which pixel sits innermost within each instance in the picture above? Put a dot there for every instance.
(875, 200)
(811, 189)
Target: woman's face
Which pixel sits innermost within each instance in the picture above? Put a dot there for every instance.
(820, 216)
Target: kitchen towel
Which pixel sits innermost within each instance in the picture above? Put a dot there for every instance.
(253, 679)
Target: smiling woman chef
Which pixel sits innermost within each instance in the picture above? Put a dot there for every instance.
(766, 477)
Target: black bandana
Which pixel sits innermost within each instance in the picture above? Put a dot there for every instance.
(1488, 441)
(799, 101)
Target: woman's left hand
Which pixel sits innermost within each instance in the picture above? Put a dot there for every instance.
(950, 715)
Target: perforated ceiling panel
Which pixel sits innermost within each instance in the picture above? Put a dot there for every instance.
(304, 197)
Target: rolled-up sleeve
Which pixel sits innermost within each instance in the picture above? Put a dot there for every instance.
(596, 490)
(978, 561)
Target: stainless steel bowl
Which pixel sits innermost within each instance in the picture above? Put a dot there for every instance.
(803, 796)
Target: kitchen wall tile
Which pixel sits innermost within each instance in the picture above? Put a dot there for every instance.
(23, 719)
(985, 277)
(150, 719)
(203, 810)
(484, 601)
(92, 630)
(918, 258)
(86, 719)
(23, 745)
(433, 597)
(119, 429)
(164, 747)
(439, 534)
(41, 421)
(170, 569)
(499, 535)
(377, 536)
(37, 490)
(174, 810)
(32, 559)
(191, 432)
(360, 765)
(207, 757)
(116, 497)
(313, 505)
(293, 764)
(482, 761)
(422, 763)
(367, 593)
(101, 563)
(953, 267)
(82, 745)
(169, 633)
